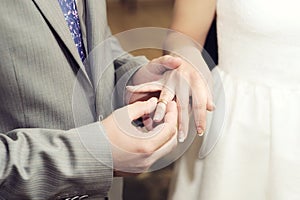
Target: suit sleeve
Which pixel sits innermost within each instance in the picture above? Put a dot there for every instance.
(125, 67)
(55, 164)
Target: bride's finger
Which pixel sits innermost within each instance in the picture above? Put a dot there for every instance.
(210, 106)
(167, 95)
(182, 99)
(183, 116)
(199, 98)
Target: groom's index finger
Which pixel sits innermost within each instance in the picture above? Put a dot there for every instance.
(165, 131)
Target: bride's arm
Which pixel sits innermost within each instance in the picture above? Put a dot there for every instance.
(191, 79)
(194, 18)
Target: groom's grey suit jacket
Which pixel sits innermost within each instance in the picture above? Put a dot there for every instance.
(42, 155)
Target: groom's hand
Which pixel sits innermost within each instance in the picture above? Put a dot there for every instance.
(133, 149)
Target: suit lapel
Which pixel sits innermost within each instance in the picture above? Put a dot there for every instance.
(51, 11)
(96, 22)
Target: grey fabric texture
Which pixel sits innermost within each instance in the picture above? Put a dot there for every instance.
(42, 152)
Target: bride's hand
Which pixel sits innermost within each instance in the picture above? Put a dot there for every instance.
(175, 78)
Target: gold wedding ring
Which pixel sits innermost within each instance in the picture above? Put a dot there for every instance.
(162, 101)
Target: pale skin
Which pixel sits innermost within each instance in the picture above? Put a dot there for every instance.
(192, 17)
(133, 155)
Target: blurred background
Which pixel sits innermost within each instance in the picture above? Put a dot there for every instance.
(124, 15)
(128, 14)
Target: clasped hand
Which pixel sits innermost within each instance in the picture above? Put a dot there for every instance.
(177, 82)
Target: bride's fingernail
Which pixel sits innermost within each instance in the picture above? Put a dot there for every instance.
(200, 132)
(157, 117)
(181, 137)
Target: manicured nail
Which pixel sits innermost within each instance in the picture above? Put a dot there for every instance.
(200, 132)
(157, 117)
(181, 137)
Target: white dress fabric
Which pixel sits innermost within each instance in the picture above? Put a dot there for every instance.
(257, 154)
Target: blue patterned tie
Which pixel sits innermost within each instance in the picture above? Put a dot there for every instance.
(71, 16)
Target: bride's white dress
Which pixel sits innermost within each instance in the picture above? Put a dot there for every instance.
(257, 156)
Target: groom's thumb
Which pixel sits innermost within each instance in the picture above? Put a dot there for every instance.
(140, 108)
